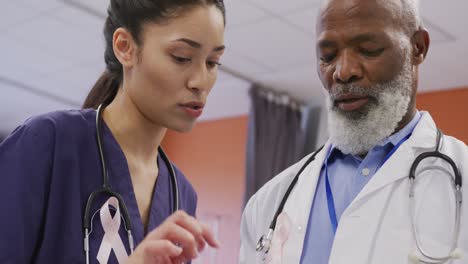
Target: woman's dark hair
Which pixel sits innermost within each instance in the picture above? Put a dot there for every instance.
(131, 15)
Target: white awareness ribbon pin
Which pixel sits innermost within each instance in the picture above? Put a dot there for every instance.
(111, 240)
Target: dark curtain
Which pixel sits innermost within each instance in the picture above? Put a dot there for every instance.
(280, 132)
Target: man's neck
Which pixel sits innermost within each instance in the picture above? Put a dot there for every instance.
(405, 120)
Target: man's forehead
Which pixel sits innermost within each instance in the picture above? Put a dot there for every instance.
(360, 8)
(353, 3)
(346, 11)
(368, 37)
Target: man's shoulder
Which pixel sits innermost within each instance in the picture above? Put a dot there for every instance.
(456, 143)
(456, 149)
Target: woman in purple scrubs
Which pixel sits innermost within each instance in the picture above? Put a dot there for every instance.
(162, 58)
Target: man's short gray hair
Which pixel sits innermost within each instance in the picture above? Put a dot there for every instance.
(410, 15)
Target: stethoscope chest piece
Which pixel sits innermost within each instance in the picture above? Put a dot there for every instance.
(264, 243)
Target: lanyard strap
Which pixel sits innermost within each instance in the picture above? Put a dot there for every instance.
(394, 149)
(330, 200)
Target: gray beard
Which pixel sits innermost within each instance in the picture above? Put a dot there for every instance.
(357, 132)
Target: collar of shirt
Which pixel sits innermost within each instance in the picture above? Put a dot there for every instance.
(392, 139)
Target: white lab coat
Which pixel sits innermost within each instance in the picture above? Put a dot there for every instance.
(376, 227)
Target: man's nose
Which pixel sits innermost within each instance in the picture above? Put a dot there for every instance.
(348, 68)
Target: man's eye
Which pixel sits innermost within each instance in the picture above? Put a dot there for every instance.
(371, 53)
(181, 60)
(327, 58)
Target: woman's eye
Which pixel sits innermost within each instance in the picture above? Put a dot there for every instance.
(213, 64)
(181, 60)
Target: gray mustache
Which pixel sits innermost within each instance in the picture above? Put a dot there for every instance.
(354, 89)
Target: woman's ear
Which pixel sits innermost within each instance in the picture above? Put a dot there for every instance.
(420, 45)
(124, 46)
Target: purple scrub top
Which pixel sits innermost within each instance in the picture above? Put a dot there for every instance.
(48, 167)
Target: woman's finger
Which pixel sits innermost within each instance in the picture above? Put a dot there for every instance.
(161, 248)
(209, 236)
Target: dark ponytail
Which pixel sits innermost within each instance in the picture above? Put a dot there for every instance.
(103, 92)
(131, 14)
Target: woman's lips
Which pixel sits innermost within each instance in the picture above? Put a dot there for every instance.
(192, 112)
(193, 109)
(351, 102)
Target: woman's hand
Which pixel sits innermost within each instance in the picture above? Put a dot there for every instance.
(178, 239)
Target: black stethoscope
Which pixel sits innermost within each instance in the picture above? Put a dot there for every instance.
(264, 243)
(106, 189)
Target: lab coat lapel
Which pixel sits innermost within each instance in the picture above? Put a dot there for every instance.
(398, 165)
(298, 207)
(373, 200)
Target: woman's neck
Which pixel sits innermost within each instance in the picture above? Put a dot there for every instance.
(138, 136)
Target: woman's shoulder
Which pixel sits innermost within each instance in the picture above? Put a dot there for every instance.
(48, 127)
(62, 118)
(69, 122)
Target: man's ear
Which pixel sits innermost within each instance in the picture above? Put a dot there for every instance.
(420, 45)
(124, 47)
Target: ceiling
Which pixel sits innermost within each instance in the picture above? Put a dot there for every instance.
(52, 53)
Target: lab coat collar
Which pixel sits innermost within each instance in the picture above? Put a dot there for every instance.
(424, 134)
(397, 167)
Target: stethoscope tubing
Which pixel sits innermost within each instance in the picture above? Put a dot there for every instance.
(264, 242)
(107, 190)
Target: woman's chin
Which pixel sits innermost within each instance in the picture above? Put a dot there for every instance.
(182, 127)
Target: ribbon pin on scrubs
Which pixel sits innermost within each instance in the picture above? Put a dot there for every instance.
(111, 240)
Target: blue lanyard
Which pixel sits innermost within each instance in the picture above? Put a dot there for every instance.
(331, 202)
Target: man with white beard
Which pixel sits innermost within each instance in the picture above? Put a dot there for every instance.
(354, 200)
